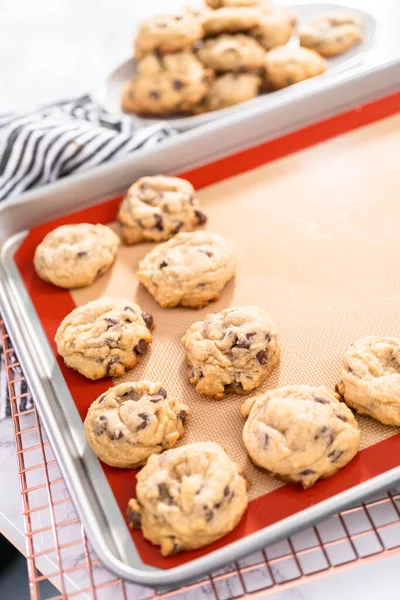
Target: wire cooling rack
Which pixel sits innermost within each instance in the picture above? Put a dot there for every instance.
(57, 548)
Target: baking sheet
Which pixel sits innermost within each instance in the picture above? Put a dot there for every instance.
(315, 238)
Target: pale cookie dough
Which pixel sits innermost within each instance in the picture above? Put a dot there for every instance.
(75, 255)
(235, 53)
(190, 270)
(231, 19)
(286, 65)
(300, 433)
(167, 84)
(221, 3)
(370, 378)
(275, 27)
(229, 89)
(331, 35)
(167, 33)
(104, 338)
(156, 208)
(188, 497)
(131, 421)
(231, 351)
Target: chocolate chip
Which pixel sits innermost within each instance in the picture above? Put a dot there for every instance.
(163, 264)
(163, 392)
(178, 17)
(306, 472)
(157, 53)
(130, 395)
(262, 357)
(205, 251)
(191, 199)
(145, 419)
(114, 361)
(227, 491)
(177, 84)
(100, 425)
(218, 505)
(129, 308)
(342, 418)
(243, 343)
(154, 94)
(141, 347)
(112, 342)
(100, 271)
(175, 549)
(182, 416)
(117, 435)
(250, 334)
(155, 398)
(209, 515)
(158, 222)
(177, 227)
(201, 285)
(350, 370)
(148, 319)
(321, 400)
(110, 322)
(82, 253)
(134, 519)
(266, 439)
(201, 217)
(164, 495)
(101, 398)
(335, 455)
(268, 337)
(326, 432)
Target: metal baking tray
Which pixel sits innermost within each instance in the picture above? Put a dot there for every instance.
(259, 136)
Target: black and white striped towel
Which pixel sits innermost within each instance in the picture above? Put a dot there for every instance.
(68, 137)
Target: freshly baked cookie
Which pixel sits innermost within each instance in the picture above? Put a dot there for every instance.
(229, 89)
(156, 208)
(131, 421)
(167, 33)
(104, 338)
(236, 53)
(331, 35)
(231, 19)
(75, 255)
(188, 497)
(275, 27)
(370, 378)
(167, 84)
(231, 351)
(286, 65)
(300, 433)
(190, 270)
(221, 3)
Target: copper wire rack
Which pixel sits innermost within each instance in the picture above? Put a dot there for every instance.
(57, 548)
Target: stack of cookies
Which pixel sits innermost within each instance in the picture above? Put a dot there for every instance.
(225, 54)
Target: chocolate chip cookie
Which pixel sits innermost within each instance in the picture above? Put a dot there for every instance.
(235, 53)
(74, 256)
(286, 65)
(156, 208)
(231, 351)
(131, 421)
(104, 338)
(188, 497)
(229, 89)
(370, 378)
(331, 35)
(275, 27)
(230, 19)
(190, 270)
(300, 433)
(167, 33)
(167, 84)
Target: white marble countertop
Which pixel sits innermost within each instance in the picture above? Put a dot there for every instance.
(55, 49)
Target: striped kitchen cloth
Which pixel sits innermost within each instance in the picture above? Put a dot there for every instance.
(55, 141)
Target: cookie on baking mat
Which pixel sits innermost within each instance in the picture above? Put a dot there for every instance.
(300, 433)
(131, 421)
(191, 269)
(370, 378)
(73, 256)
(188, 497)
(104, 338)
(156, 208)
(231, 351)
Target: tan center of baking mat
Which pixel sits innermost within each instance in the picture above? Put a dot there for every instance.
(317, 239)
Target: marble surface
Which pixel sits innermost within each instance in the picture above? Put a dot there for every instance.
(61, 48)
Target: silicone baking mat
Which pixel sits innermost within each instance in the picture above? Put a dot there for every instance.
(314, 229)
